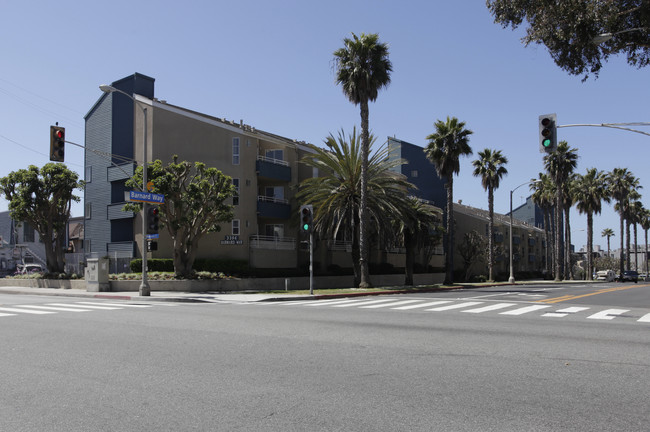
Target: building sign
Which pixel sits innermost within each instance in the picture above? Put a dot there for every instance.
(232, 240)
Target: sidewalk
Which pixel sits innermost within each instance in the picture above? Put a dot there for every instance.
(210, 297)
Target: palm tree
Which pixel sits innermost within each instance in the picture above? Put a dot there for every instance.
(544, 196)
(590, 191)
(644, 221)
(490, 167)
(621, 184)
(446, 145)
(363, 68)
(335, 194)
(417, 225)
(560, 164)
(607, 232)
(567, 203)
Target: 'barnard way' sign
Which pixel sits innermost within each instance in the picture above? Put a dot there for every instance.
(147, 197)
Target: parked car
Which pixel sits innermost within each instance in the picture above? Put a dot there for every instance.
(629, 275)
(606, 275)
(30, 268)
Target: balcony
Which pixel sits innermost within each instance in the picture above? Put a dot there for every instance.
(273, 208)
(273, 169)
(272, 242)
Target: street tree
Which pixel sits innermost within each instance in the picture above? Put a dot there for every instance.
(490, 167)
(580, 35)
(195, 205)
(607, 232)
(472, 250)
(42, 198)
(419, 226)
(621, 183)
(543, 190)
(335, 193)
(560, 164)
(590, 192)
(362, 69)
(446, 145)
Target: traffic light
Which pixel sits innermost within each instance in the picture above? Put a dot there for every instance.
(547, 133)
(57, 143)
(306, 218)
(152, 219)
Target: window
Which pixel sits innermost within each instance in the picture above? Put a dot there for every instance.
(235, 197)
(235, 227)
(235, 151)
(275, 154)
(274, 230)
(89, 174)
(414, 173)
(28, 233)
(88, 211)
(276, 192)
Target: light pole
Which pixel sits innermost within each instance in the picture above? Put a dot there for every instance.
(511, 279)
(145, 290)
(604, 37)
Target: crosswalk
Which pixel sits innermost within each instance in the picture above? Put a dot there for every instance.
(476, 307)
(53, 308)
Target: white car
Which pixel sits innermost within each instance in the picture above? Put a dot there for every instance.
(606, 275)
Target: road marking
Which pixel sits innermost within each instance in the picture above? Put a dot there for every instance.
(363, 303)
(422, 305)
(4, 314)
(601, 291)
(396, 303)
(331, 302)
(35, 312)
(608, 314)
(524, 310)
(84, 306)
(127, 305)
(492, 307)
(644, 318)
(56, 308)
(454, 306)
(564, 312)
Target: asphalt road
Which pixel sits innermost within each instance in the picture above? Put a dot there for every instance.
(339, 365)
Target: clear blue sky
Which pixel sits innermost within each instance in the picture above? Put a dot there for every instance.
(270, 64)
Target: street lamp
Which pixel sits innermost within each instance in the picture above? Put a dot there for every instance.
(604, 37)
(145, 290)
(511, 279)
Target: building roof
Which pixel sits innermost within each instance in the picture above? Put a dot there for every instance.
(498, 217)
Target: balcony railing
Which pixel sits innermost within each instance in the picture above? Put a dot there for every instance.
(272, 242)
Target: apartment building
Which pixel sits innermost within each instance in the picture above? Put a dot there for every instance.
(264, 167)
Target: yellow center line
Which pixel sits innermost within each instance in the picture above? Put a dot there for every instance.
(602, 291)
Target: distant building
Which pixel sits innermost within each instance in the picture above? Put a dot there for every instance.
(529, 212)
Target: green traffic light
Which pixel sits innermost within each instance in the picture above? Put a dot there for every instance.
(305, 227)
(546, 143)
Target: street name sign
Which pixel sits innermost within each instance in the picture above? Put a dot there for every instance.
(147, 197)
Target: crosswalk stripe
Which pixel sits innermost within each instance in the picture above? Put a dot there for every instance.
(492, 307)
(524, 310)
(422, 305)
(608, 314)
(127, 305)
(35, 312)
(454, 306)
(644, 318)
(363, 303)
(397, 303)
(56, 308)
(4, 314)
(564, 312)
(333, 302)
(84, 306)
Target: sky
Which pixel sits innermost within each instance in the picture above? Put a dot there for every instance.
(271, 65)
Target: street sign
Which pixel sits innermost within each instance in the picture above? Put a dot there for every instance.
(147, 197)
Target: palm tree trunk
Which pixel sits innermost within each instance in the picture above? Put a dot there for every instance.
(636, 261)
(410, 244)
(590, 247)
(558, 234)
(621, 263)
(363, 205)
(627, 244)
(568, 269)
(490, 234)
(449, 258)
